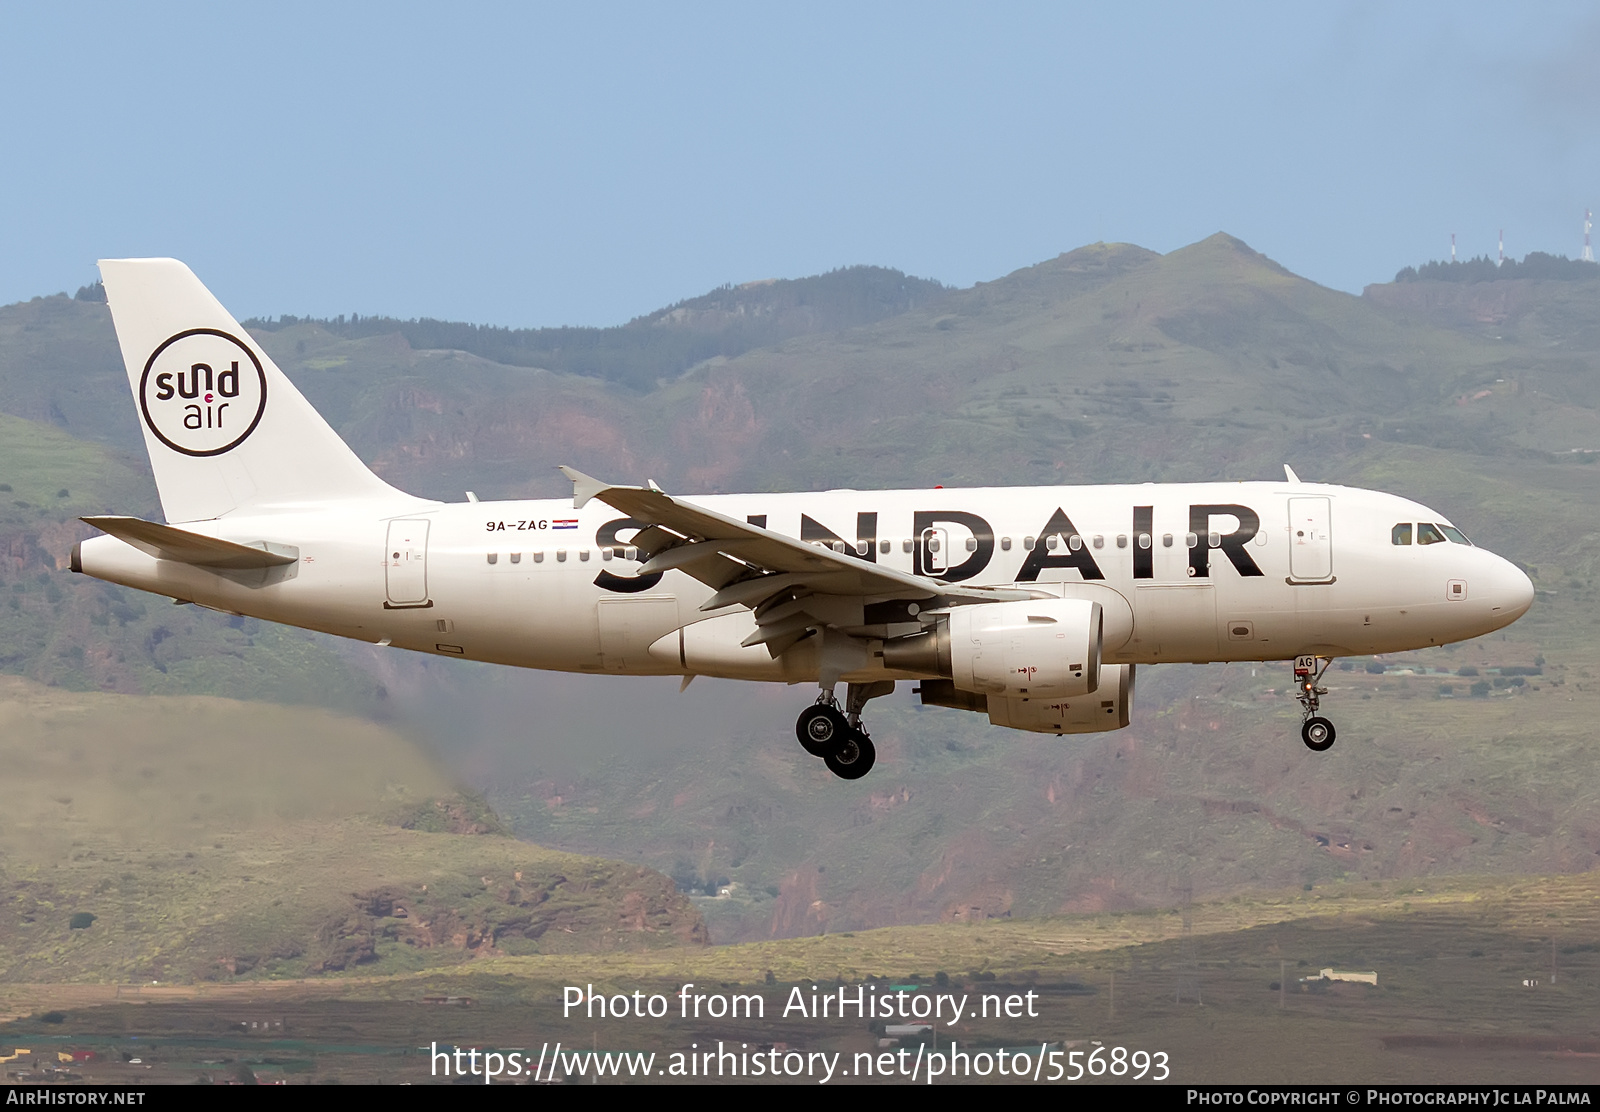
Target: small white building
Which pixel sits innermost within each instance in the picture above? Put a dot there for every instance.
(1343, 975)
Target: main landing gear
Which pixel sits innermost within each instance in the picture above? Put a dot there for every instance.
(1317, 732)
(836, 735)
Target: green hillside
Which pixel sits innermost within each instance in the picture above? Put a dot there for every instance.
(718, 325)
(200, 839)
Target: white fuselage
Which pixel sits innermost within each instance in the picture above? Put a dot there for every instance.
(1175, 567)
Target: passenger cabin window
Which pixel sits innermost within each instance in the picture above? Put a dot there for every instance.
(885, 546)
(1005, 544)
(1428, 533)
(1454, 534)
(1401, 534)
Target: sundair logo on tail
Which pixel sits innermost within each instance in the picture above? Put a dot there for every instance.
(203, 391)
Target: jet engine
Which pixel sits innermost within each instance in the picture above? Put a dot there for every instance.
(1038, 648)
(1107, 708)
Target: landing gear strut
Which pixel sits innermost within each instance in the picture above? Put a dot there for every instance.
(837, 735)
(1317, 732)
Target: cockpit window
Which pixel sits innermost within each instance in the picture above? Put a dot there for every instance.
(1454, 534)
(1428, 533)
(1401, 533)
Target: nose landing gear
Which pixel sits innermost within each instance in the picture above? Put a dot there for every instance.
(837, 735)
(1317, 732)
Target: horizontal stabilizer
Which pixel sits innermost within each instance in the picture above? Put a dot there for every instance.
(167, 543)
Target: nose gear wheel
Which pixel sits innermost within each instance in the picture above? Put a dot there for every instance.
(1318, 734)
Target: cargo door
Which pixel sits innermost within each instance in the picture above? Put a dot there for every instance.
(1310, 540)
(406, 564)
(1176, 622)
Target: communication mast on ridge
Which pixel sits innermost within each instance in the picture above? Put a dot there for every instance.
(1502, 261)
(1588, 223)
(1452, 247)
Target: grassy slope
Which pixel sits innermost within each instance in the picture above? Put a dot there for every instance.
(1451, 1004)
(212, 837)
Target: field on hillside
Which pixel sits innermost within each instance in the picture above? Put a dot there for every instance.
(1476, 982)
(200, 839)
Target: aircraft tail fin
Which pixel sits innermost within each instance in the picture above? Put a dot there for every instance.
(224, 427)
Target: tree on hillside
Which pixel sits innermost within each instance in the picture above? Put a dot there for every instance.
(1536, 264)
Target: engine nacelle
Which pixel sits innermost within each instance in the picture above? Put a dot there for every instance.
(1041, 648)
(1106, 709)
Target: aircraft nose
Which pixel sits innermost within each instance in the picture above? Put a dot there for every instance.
(1511, 591)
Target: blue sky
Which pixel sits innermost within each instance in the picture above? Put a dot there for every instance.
(582, 164)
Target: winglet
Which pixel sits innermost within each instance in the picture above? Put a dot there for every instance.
(584, 487)
(1289, 474)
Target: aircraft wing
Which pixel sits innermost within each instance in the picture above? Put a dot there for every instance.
(792, 585)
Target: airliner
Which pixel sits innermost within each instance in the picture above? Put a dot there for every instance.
(1031, 605)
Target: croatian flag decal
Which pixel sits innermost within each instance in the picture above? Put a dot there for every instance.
(565, 523)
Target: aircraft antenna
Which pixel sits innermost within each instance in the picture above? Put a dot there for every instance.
(1588, 223)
